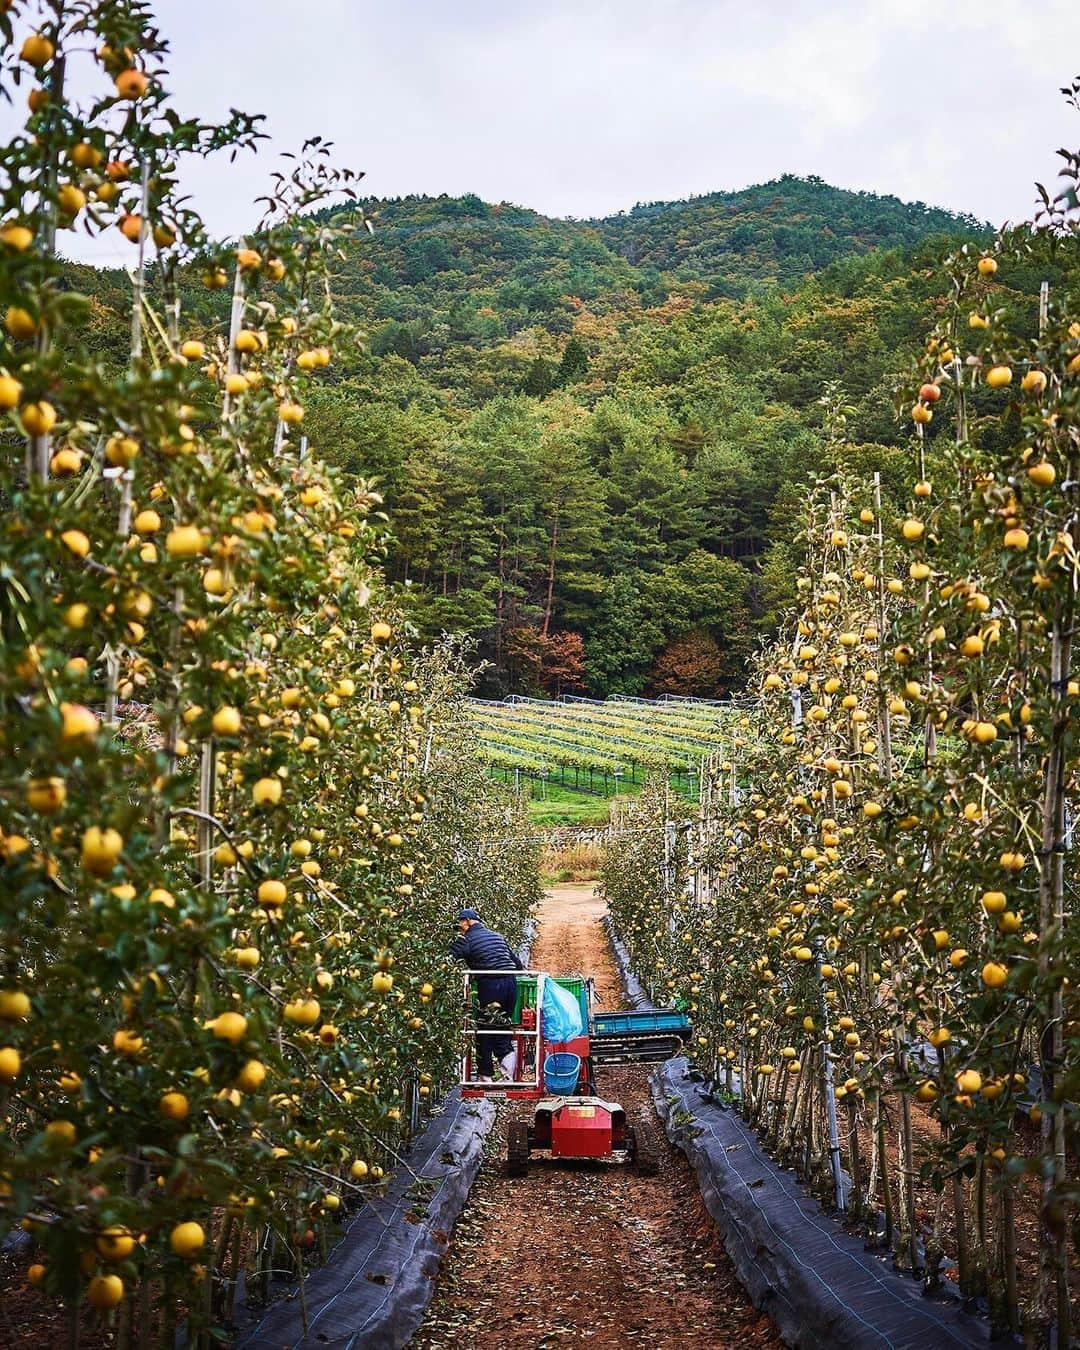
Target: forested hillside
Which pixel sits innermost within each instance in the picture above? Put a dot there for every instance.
(590, 434)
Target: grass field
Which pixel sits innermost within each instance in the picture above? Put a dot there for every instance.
(563, 806)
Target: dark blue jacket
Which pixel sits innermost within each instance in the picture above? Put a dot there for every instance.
(483, 949)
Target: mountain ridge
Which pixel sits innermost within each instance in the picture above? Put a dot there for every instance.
(781, 229)
(644, 207)
(593, 438)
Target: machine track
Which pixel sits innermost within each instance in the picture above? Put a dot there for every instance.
(604, 1255)
(645, 1149)
(517, 1148)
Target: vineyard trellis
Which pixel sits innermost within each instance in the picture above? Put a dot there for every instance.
(605, 744)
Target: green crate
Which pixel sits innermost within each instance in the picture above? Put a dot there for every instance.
(526, 994)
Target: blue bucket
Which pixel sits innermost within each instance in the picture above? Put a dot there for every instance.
(561, 1072)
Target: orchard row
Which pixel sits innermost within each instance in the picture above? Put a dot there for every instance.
(873, 915)
(239, 808)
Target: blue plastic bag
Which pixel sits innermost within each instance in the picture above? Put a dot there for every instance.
(561, 1014)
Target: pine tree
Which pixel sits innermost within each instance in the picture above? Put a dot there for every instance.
(539, 379)
(574, 365)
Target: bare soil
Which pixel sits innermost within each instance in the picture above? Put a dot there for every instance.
(588, 1254)
(29, 1318)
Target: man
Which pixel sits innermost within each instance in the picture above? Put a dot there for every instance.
(483, 949)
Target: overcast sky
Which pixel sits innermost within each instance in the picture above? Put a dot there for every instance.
(584, 107)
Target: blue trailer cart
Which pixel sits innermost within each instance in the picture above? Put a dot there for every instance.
(638, 1037)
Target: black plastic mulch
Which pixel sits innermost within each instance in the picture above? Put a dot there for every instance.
(634, 990)
(375, 1287)
(820, 1285)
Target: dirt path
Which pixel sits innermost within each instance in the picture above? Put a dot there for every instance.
(600, 1256)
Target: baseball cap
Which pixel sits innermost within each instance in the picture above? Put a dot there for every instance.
(468, 914)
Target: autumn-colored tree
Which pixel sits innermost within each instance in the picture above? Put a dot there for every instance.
(551, 664)
(691, 665)
(563, 663)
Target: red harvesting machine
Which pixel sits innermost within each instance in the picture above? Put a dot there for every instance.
(571, 1119)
